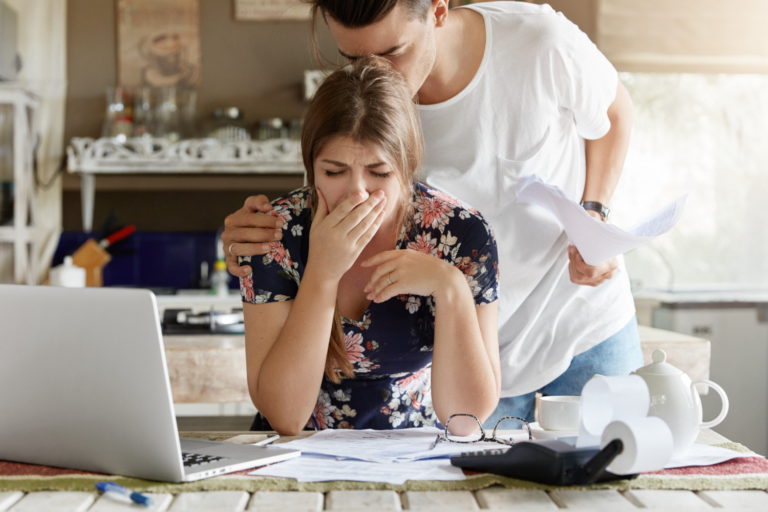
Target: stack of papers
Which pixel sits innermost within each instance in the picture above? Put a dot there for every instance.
(391, 456)
(313, 468)
(396, 456)
(386, 446)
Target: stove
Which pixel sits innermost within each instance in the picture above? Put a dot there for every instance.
(187, 321)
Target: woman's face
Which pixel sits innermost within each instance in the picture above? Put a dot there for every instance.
(344, 167)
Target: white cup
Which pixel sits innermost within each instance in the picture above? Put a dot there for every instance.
(559, 413)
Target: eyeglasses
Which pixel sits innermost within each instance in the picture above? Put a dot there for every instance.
(509, 442)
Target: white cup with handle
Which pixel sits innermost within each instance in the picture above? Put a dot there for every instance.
(559, 413)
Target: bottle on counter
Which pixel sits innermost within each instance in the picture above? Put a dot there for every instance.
(68, 275)
(220, 279)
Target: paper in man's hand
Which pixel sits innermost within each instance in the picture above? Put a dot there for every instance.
(597, 241)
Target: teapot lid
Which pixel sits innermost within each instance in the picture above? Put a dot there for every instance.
(659, 366)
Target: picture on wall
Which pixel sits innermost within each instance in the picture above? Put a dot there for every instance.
(158, 43)
(263, 10)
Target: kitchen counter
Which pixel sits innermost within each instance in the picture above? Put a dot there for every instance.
(707, 294)
(207, 369)
(211, 368)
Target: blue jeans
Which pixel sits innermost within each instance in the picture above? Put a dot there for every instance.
(617, 355)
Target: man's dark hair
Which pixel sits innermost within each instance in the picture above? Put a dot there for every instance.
(361, 13)
(358, 14)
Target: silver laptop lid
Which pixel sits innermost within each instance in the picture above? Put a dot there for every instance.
(83, 382)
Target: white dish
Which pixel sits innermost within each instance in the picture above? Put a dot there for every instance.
(559, 413)
(539, 433)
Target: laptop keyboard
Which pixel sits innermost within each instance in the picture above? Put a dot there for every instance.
(195, 459)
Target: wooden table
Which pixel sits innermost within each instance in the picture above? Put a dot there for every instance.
(494, 498)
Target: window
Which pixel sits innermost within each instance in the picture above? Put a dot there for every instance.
(706, 135)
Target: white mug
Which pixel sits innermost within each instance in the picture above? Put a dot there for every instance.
(559, 413)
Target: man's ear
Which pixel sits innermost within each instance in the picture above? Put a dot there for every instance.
(439, 12)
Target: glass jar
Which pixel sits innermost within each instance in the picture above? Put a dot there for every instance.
(168, 125)
(143, 114)
(188, 108)
(228, 125)
(118, 119)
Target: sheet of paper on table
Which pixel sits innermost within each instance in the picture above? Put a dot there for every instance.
(704, 455)
(313, 468)
(385, 446)
(596, 240)
(396, 456)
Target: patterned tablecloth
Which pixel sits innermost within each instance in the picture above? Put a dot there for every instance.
(749, 472)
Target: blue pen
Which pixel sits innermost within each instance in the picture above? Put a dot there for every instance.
(135, 497)
(314, 422)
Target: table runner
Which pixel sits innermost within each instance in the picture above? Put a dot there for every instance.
(747, 472)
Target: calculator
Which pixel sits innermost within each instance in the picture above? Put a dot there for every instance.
(546, 461)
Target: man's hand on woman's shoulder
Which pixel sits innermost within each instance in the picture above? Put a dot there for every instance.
(246, 232)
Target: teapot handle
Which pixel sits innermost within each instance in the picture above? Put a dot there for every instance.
(723, 397)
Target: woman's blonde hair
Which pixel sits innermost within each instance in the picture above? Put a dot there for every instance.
(370, 103)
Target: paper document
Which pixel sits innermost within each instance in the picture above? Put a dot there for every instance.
(596, 240)
(704, 455)
(308, 468)
(383, 446)
(396, 456)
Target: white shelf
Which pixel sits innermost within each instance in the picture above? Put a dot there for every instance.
(8, 234)
(108, 156)
(25, 128)
(162, 156)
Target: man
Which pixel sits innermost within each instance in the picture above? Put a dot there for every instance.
(507, 90)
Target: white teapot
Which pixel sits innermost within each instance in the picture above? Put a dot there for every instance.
(675, 400)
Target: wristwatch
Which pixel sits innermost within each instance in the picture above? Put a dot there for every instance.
(597, 207)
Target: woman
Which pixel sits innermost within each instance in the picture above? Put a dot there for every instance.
(378, 306)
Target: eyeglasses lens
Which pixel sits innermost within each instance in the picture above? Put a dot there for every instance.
(464, 422)
(509, 427)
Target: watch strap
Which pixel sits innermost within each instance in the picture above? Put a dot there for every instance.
(596, 207)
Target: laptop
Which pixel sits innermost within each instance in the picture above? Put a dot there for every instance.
(84, 385)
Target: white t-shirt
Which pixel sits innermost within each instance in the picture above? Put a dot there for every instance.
(542, 88)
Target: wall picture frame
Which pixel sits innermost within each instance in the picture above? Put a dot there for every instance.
(271, 10)
(158, 43)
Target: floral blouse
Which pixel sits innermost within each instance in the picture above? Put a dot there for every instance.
(390, 347)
